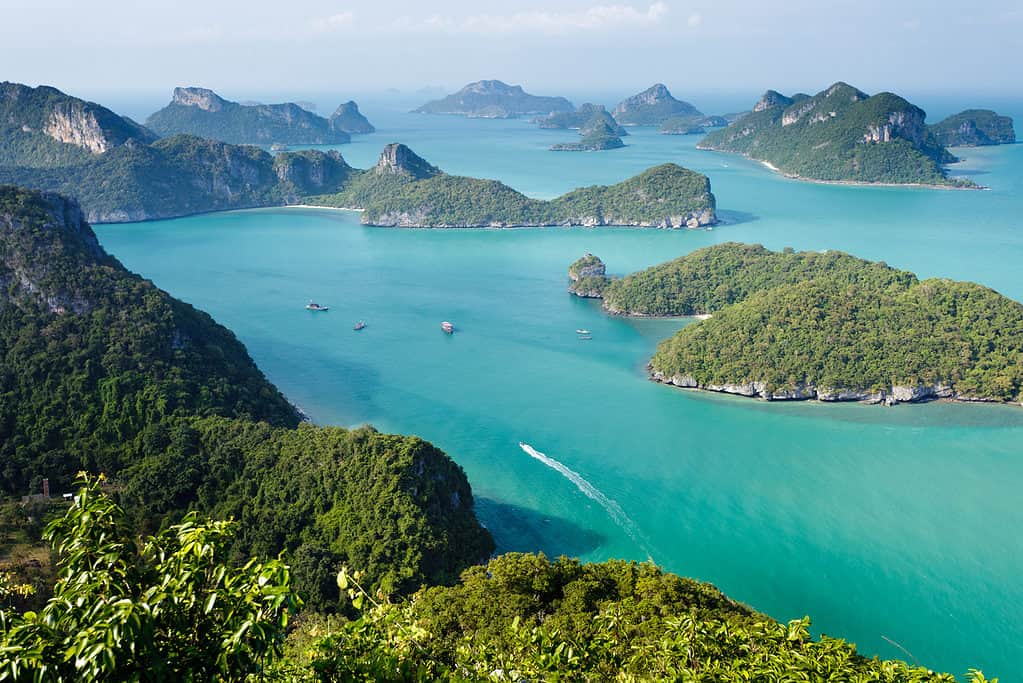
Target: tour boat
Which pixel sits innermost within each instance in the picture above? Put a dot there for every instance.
(359, 325)
(313, 306)
(447, 327)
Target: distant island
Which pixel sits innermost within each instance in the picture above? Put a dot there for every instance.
(974, 128)
(841, 134)
(494, 100)
(652, 107)
(691, 125)
(404, 190)
(580, 118)
(203, 113)
(595, 135)
(826, 326)
(349, 119)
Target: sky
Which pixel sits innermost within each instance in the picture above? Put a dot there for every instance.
(553, 47)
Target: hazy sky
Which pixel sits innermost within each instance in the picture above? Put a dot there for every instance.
(549, 47)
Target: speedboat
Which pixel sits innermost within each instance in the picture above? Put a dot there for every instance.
(447, 327)
(582, 331)
(313, 306)
(359, 325)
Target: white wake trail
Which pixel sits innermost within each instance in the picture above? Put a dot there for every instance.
(613, 509)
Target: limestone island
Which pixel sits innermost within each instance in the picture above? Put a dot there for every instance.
(494, 100)
(691, 125)
(404, 190)
(819, 325)
(596, 135)
(974, 128)
(652, 107)
(203, 113)
(579, 119)
(841, 134)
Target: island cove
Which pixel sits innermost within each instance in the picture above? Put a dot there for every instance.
(827, 326)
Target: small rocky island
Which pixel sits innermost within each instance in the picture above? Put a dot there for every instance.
(819, 325)
(596, 135)
(974, 128)
(841, 135)
(202, 112)
(494, 99)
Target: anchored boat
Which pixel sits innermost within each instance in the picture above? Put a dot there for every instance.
(359, 325)
(447, 327)
(313, 306)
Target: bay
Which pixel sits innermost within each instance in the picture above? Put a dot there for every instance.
(893, 528)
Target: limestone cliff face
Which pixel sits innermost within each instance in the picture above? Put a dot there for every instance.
(28, 112)
(311, 173)
(27, 258)
(397, 159)
(891, 396)
(905, 123)
(771, 98)
(201, 98)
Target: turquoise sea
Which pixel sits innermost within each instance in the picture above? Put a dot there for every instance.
(895, 528)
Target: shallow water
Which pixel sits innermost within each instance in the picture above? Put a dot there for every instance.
(880, 523)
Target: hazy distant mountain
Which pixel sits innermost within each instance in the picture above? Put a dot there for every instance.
(652, 107)
(494, 100)
(198, 111)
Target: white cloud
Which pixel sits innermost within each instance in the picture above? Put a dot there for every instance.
(335, 22)
(695, 19)
(598, 17)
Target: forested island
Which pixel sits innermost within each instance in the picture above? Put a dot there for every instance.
(652, 107)
(595, 135)
(492, 99)
(203, 113)
(103, 372)
(404, 190)
(841, 134)
(584, 116)
(825, 326)
(974, 128)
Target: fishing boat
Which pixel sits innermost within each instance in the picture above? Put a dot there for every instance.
(582, 331)
(447, 327)
(359, 325)
(313, 306)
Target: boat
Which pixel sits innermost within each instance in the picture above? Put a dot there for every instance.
(447, 327)
(359, 325)
(582, 331)
(313, 306)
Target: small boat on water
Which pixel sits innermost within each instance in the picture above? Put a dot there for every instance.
(447, 327)
(359, 326)
(313, 306)
(582, 331)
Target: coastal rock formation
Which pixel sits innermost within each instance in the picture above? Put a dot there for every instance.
(201, 112)
(652, 107)
(398, 159)
(974, 128)
(347, 118)
(494, 99)
(43, 125)
(588, 277)
(841, 134)
(310, 172)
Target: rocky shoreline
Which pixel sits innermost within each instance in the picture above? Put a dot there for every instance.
(892, 396)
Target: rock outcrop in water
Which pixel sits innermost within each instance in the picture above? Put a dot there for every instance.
(349, 119)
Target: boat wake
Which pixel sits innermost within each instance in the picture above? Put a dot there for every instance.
(613, 509)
